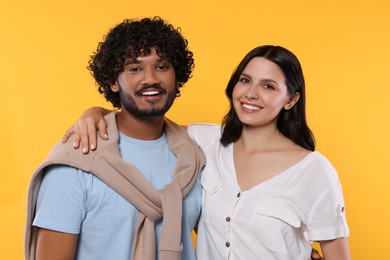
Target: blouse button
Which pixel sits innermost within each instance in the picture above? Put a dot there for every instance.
(228, 219)
(238, 194)
(227, 244)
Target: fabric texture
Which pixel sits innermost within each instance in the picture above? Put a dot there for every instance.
(77, 202)
(275, 219)
(107, 165)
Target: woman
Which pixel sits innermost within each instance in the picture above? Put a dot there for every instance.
(267, 192)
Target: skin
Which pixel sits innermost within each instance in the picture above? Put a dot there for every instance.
(261, 152)
(261, 93)
(137, 122)
(335, 249)
(53, 245)
(138, 87)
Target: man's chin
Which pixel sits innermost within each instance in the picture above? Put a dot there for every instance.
(148, 113)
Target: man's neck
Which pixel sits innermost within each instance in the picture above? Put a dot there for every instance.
(146, 128)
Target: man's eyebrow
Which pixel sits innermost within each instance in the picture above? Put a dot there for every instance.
(161, 59)
(131, 61)
(135, 61)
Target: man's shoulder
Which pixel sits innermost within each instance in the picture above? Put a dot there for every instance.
(66, 154)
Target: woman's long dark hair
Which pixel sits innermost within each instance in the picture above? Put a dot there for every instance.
(291, 123)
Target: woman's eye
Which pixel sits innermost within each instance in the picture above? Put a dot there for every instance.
(244, 80)
(268, 87)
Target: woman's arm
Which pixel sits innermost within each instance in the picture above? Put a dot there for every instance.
(84, 129)
(336, 249)
(54, 245)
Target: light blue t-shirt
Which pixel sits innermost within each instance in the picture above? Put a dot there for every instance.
(74, 201)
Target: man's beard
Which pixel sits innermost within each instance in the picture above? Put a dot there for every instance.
(128, 103)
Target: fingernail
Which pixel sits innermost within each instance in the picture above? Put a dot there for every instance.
(106, 136)
(74, 145)
(92, 147)
(84, 150)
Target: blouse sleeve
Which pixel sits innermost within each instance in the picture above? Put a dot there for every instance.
(204, 134)
(327, 219)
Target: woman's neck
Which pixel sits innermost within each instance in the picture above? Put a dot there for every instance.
(262, 138)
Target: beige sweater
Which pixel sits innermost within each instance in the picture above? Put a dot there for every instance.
(107, 164)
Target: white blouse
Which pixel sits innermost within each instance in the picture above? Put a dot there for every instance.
(276, 219)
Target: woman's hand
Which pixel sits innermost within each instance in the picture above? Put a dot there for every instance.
(84, 129)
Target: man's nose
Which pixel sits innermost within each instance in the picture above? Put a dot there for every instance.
(150, 77)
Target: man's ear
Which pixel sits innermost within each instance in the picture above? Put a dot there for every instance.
(115, 87)
(292, 101)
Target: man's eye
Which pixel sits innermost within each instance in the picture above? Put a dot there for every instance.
(162, 67)
(134, 69)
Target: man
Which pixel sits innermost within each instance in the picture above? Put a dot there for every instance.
(139, 189)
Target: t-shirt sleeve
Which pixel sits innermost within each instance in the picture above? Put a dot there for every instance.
(327, 218)
(61, 200)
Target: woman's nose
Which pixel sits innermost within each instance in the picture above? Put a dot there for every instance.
(252, 94)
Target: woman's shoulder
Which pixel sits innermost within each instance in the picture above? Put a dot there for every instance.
(208, 129)
(204, 133)
(204, 126)
(320, 166)
(318, 158)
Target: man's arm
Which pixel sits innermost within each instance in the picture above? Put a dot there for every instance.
(54, 245)
(337, 249)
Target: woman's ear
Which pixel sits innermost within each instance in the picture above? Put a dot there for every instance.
(292, 101)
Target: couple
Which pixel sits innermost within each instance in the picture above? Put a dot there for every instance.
(264, 192)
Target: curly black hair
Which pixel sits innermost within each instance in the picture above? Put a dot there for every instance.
(127, 40)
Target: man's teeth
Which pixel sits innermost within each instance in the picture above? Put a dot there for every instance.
(150, 93)
(250, 107)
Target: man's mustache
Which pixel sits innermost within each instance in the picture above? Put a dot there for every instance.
(154, 87)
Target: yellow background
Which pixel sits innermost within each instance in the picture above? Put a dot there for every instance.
(344, 48)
